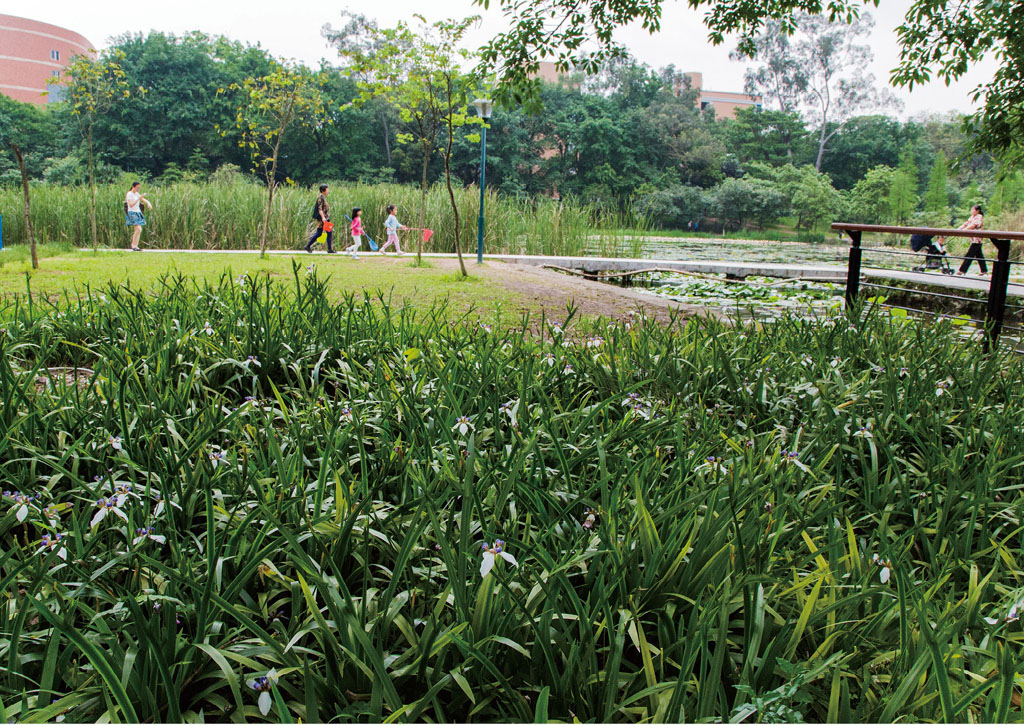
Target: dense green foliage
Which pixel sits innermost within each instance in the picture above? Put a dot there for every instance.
(936, 41)
(33, 129)
(806, 519)
(627, 137)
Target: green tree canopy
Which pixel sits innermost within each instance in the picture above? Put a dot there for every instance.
(268, 107)
(94, 87)
(936, 40)
(23, 125)
(774, 137)
(936, 199)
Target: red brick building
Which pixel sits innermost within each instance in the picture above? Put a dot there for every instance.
(31, 52)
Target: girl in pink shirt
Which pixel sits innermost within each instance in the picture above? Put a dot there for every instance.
(357, 233)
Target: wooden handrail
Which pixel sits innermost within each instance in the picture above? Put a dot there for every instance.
(884, 229)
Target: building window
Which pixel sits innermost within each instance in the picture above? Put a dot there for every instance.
(55, 73)
(54, 55)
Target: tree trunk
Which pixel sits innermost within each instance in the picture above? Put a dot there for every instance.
(28, 220)
(821, 149)
(451, 196)
(423, 203)
(266, 219)
(92, 191)
(271, 185)
(387, 135)
(448, 179)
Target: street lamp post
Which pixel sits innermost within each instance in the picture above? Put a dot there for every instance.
(483, 108)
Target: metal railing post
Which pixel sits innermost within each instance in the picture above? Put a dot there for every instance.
(853, 269)
(997, 294)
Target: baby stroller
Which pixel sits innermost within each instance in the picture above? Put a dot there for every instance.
(935, 253)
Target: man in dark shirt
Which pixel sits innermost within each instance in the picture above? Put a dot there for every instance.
(322, 216)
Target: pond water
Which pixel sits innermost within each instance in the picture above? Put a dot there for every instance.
(756, 296)
(729, 250)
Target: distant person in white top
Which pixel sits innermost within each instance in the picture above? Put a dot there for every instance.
(133, 213)
(391, 226)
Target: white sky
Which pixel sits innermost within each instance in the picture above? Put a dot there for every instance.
(292, 30)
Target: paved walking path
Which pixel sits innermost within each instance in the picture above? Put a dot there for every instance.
(822, 272)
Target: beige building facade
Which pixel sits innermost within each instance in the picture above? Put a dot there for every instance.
(724, 103)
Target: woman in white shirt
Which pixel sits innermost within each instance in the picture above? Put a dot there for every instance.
(133, 213)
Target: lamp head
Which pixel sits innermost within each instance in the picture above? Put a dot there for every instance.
(483, 107)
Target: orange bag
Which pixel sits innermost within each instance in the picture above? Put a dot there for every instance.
(328, 226)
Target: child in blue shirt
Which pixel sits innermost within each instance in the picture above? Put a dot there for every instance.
(391, 226)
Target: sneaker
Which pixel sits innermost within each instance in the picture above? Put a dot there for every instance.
(136, 249)
(355, 256)
(308, 249)
(332, 251)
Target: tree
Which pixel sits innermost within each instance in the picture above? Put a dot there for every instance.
(453, 96)
(903, 189)
(814, 200)
(1008, 195)
(626, 81)
(869, 199)
(673, 207)
(972, 195)
(936, 199)
(361, 37)
(942, 40)
(936, 39)
(416, 70)
(868, 141)
(768, 136)
(824, 72)
(807, 191)
(347, 147)
(22, 124)
(180, 109)
(780, 77)
(288, 96)
(95, 86)
(736, 202)
(386, 63)
(902, 197)
(679, 138)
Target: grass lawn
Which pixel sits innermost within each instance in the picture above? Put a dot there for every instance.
(395, 276)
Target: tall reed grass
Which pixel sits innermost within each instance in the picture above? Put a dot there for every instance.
(228, 215)
(274, 507)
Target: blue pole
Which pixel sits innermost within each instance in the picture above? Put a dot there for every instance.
(480, 220)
